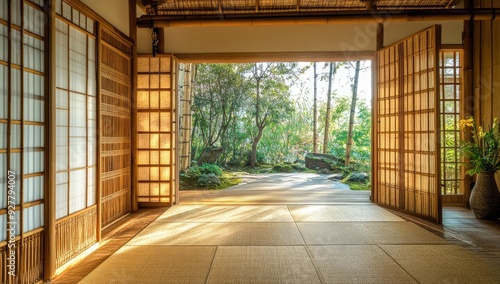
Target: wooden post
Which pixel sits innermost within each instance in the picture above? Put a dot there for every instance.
(374, 142)
(133, 99)
(186, 100)
(50, 145)
(315, 112)
(99, 133)
(467, 103)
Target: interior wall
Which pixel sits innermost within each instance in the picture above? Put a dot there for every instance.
(114, 11)
(295, 38)
(395, 31)
(292, 38)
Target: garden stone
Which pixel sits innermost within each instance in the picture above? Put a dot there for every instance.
(206, 180)
(358, 177)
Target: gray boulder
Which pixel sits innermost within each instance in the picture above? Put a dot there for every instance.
(359, 177)
(207, 180)
(328, 162)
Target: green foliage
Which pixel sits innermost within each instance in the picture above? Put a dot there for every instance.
(359, 186)
(205, 169)
(282, 168)
(225, 115)
(227, 179)
(482, 147)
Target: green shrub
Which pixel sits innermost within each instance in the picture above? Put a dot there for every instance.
(196, 171)
(281, 168)
(299, 167)
(207, 169)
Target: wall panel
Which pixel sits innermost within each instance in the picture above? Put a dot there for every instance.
(115, 70)
(22, 138)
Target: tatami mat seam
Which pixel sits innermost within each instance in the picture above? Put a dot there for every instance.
(398, 264)
(212, 265)
(320, 277)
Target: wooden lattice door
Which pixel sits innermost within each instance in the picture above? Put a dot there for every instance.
(406, 131)
(157, 174)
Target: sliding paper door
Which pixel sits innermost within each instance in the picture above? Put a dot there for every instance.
(156, 131)
(407, 129)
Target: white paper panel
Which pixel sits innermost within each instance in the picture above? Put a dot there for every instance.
(91, 188)
(3, 181)
(33, 97)
(62, 99)
(78, 115)
(3, 224)
(62, 158)
(83, 21)
(35, 164)
(77, 152)
(76, 17)
(16, 12)
(3, 92)
(3, 134)
(90, 26)
(58, 7)
(15, 166)
(78, 60)
(66, 11)
(91, 108)
(32, 218)
(33, 189)
(4, 15)
(15, 136)
(62, 54)
(33, 136)
(15, 106)
(15, 44)
(33, 53)
(34, 20)
(92, 143)
(61, 194)
(77, 191)
(4, 43)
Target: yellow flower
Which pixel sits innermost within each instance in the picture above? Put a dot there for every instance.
(468, 122)
(480, 132)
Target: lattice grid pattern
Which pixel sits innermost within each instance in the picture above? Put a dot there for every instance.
(76, 133)
(22, 135)
(451, 93)
(156, 129)
(407, 104)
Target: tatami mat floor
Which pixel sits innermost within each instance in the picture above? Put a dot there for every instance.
(356, 243)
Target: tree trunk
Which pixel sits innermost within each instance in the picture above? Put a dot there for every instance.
(351, 117)
(328, 109)
(253, 158)
(315, 112)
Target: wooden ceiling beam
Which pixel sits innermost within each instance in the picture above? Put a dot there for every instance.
(379, 16)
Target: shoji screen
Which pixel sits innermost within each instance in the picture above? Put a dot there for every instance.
(407, 131)
(451, 77)
(115, 126)
(156, 130)
(76, 137)
(22, 136)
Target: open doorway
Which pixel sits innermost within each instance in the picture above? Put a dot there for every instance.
(265, 118)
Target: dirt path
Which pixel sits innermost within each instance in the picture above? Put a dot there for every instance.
(294, 188)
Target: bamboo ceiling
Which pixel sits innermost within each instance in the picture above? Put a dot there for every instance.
(246, 7)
